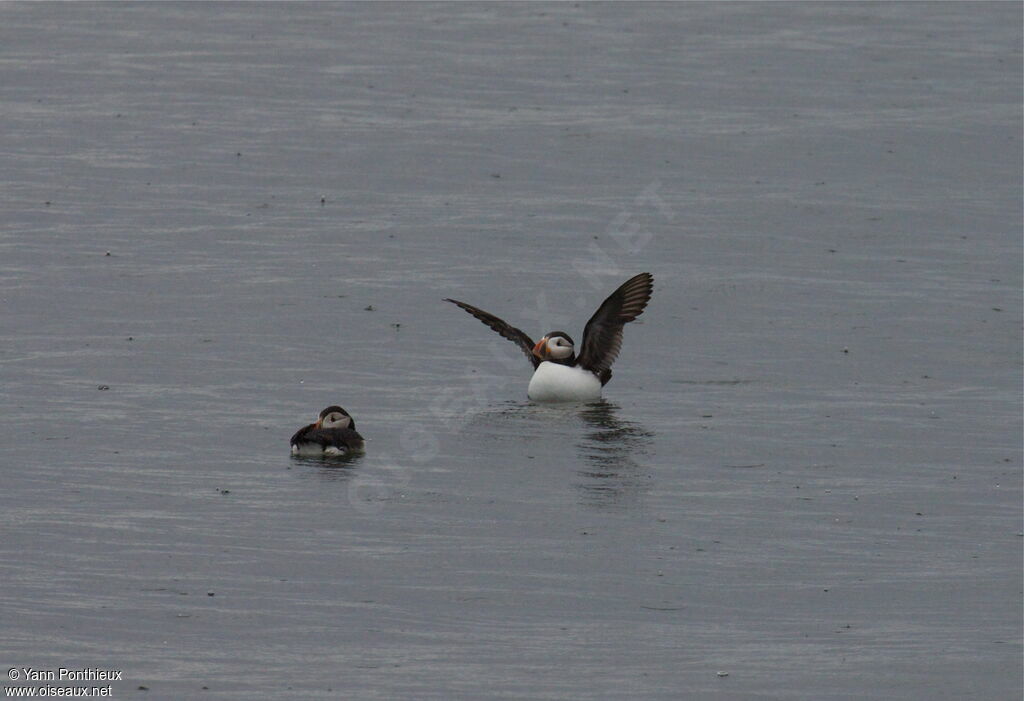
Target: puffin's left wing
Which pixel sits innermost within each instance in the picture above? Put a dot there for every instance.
(602, 336)
(502, 327)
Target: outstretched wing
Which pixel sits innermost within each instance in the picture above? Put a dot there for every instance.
(502, 327)
(602, 336)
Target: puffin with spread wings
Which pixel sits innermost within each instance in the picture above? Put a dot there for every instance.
(559, 374)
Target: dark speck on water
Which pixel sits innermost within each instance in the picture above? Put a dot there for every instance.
(485, 547)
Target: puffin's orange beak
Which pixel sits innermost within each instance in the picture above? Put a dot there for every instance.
(541, 349)
(319, 423)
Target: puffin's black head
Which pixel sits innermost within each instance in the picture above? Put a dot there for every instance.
(335, 417)
(556, 347)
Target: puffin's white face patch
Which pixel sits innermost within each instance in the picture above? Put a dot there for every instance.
(559, 348)
(336, 420)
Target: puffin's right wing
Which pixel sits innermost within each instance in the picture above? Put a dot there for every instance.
(502, 327)
(602, 337)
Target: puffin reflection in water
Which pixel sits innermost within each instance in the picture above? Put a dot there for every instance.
(333, 435)
(559, 374)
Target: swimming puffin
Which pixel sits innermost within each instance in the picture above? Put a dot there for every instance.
(559, 374)
(334, 434)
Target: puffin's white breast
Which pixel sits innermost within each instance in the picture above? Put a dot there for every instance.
(315, 450)
(552, 382)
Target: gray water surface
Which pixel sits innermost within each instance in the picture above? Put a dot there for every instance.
(804, 481)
